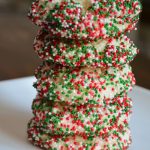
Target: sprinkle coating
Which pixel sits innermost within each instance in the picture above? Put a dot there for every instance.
(82, 85)
(116, 141)
(83, 81)
(80, 19)
(87, 120)
(101, 53)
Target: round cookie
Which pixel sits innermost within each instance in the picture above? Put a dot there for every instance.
(117, 140)
(88, 120)
(81, 19)
(83, 84)
(100, 53)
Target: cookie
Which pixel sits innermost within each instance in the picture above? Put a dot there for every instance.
(100, 53)
(80, 19)
(84, 84)
(117, 140)
(60, 119)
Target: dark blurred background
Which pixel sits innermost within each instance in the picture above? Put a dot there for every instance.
(17, 58)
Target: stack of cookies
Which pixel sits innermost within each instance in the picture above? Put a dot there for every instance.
(82, 84)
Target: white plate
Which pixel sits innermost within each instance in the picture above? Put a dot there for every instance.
(15, 111)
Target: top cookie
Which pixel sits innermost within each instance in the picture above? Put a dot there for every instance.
(85, 19)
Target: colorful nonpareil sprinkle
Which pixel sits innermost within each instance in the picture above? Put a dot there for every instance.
(100, 53)
(82, 85)
(80, 19)
(115, 141)
(89, 120)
